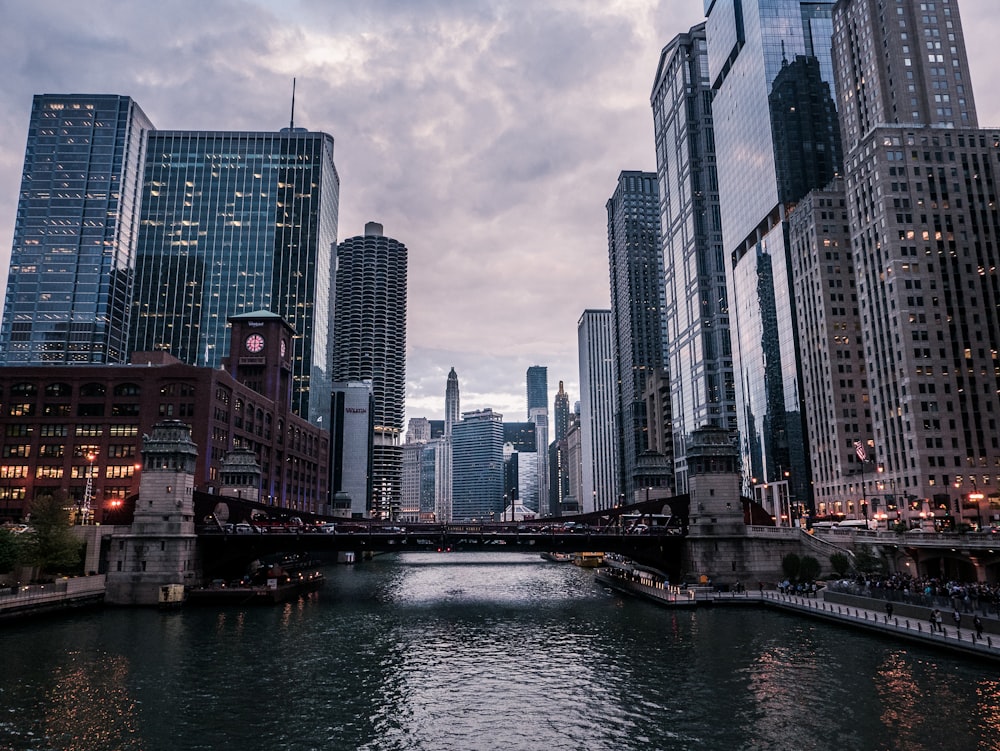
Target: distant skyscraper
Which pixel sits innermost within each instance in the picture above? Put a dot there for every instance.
(538, 388)
(451, 417)
(637, 304)
(369, 342)
(759, 135)
(699, 354)
(451, 402)
(561, 414)
(478, 467)
(599, 487)
(75, 233)
(236, 222)
(558, 468)
(419, 430)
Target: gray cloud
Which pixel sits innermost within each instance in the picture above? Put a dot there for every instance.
(487, 136)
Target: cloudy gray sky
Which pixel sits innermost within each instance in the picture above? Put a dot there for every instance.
(485, 135)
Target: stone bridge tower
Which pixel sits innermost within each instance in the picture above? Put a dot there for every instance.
(160, 548)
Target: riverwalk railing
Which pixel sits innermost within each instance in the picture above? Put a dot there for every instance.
(26, 597)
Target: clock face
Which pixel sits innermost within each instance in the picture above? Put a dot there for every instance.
(255, 343)
(282, 347)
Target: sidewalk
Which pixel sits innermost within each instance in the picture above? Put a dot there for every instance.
(963, 640)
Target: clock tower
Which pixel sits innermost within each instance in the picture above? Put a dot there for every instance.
(261, 355)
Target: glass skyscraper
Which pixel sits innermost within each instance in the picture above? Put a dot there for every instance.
(478, 467)
(750, 44)
(75, 232)
(699, 354)
(599, 487)
(537, 379)
(234, 222)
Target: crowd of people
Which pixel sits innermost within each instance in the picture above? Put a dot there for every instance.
(956, 596)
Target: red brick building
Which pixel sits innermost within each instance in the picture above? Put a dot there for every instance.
(63, 425)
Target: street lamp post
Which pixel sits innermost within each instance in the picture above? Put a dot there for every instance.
(88, 491)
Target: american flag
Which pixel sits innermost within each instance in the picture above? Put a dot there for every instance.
(859, 449)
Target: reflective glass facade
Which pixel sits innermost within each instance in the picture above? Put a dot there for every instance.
(232, 223)
(599, 488)
(477, 466)
(699, 354)
(75, 232)
(751, 43)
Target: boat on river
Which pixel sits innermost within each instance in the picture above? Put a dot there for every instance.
(281, 588)
(557, 557)
(588, 560)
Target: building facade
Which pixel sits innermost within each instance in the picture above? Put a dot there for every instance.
(920, 180)
(599, 481)
(233, 222)
(699, 352)
(834, 375)
(79, 428)
(370, 344)
(537, 382)
(750, 44)
(352, 430)
(637, 305)
(75, 234)
(477, 466)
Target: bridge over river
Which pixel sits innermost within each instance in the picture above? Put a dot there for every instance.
(227, 553)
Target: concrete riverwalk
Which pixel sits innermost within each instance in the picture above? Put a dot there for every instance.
(860, 613)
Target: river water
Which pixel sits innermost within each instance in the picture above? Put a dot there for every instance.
(470, 651)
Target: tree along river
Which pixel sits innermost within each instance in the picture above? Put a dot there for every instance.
(479, 651)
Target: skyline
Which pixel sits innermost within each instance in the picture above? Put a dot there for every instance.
(486, 137)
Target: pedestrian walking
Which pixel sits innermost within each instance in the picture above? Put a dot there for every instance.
(977, 623)
(933, 620)
(957, 617)
(939, 620)
(888, 612)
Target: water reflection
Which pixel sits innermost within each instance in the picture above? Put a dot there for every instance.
(88, 706)
(502, 652)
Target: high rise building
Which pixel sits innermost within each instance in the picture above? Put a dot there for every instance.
(477, 466)
(452, 402)
(235, 222)
(369, 342)
(558, 467)
(419, 430)
(760, 132)
(920, 183)
(599, 488)
(352, 429)
(637, 304)
(537, 379)
(834, 379)
(560, 411)
(699, 354)
(75, 232)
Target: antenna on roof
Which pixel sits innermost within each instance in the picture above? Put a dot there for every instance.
(291, 122)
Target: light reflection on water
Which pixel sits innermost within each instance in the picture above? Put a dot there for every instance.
(473, 651)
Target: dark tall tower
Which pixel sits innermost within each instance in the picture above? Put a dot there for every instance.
(369, 337)
(538, 388)
(561, 413)
(451, 402)
(637, 304)
(75, 233)
(234, 223)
